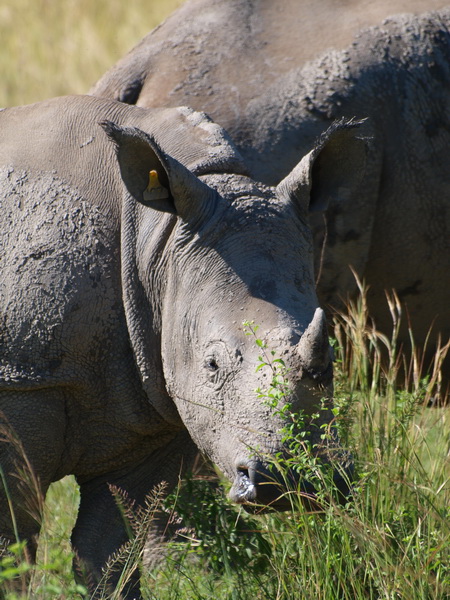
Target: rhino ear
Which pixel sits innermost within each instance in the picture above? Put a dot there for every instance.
(154, 178)
(333, 169)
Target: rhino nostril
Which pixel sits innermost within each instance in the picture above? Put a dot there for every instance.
(243, 489)
(244, 471)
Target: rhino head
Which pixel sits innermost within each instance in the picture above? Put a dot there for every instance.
(212, 251)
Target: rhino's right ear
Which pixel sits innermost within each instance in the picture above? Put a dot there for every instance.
(154, 178)
(333, 169)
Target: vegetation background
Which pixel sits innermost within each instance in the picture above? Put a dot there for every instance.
(57, 47)
(391, 543)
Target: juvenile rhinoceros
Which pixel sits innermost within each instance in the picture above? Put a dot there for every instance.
(395, 230)
(133, 246)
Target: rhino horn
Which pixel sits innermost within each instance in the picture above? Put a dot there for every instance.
(155, 179)
(314, 348)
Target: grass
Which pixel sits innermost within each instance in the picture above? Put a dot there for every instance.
(391, 542)
(52, 48)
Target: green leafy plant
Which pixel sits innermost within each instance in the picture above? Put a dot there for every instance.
(310, 460)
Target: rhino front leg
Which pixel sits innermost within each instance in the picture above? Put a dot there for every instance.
(101, 530)
(32, 434)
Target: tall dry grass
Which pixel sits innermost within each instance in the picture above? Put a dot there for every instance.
(57, 47)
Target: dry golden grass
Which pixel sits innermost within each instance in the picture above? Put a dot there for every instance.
(57, 47)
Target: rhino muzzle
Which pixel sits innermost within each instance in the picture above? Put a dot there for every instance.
(254, 484)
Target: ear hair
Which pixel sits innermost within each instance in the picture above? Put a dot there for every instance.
(335, 166)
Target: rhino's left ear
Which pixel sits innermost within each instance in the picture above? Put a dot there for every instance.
(333, 169)
(154, 178)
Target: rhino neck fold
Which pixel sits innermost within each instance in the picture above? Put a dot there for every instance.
(144, 317)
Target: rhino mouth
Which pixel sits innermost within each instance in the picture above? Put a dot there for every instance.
(258, 490)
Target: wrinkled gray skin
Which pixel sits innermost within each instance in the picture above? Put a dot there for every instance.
(121, 343)
(395, 230)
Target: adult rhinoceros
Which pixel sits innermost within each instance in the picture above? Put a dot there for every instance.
(394, 230)
(217, 56)
(122, 298)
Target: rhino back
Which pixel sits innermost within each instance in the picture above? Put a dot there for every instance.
(389, 74)
(60, 275)
(209, 50)
(63, 136)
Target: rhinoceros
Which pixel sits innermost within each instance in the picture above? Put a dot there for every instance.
(133, 247)
(394, 230)
(217, 56)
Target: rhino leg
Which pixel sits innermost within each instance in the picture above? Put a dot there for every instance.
(101, 530)
(32, 431)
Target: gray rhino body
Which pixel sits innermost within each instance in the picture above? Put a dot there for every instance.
(394, 230)
(122, 349)
(217, 56)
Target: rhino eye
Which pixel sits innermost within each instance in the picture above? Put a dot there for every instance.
(211, 364)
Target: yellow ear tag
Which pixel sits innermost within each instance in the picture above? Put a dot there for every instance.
(155, 191)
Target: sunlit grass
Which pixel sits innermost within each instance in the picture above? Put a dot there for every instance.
(52, 47)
